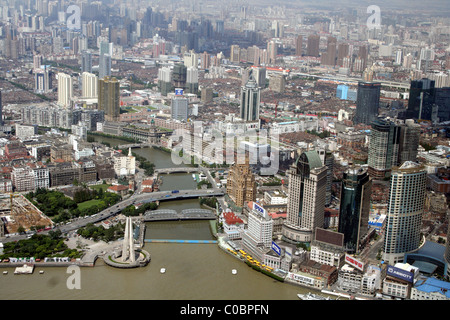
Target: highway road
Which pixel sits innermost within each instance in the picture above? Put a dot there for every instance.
(117, 208)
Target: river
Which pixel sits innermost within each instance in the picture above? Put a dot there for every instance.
(193, 271)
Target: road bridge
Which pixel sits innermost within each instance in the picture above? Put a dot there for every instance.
(173, 215)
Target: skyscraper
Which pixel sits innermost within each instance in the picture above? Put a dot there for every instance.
(354, 207)
(312, 49)
(65, 87)
(390, 145)
(383, 148)
(421, 103)
(109, 98)
(1, 110)
(329, 57)
(192, 80)
(250, 100)
(104, 67)
(367, 102)
(86, 62)
(90, 85)
(43, 80)
(306, 198)
(298, 45)
(404, 212)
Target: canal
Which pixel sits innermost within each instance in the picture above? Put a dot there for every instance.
(193, 271)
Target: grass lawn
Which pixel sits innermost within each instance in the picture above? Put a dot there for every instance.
(89, 203)
(100, 186)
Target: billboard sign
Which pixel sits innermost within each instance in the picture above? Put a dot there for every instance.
(178, 92)
(400, 273)
(276, 248)
(354, 262)
(259, 209)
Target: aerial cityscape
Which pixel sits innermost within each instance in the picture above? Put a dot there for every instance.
(211, 150)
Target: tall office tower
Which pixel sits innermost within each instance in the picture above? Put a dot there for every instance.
(404, 211)
(298, 45)
(442, 101)
(65, 89)
(104, 66)
(179, 75)
(86, 62)
(408, 142)
(343, 52)
(235, 54)
(43, 80)
(329, 57)
(165, 80)
(367, 102)
(192, 80)
(447, 252)
(306, 198)
(241, 184)
(272, 49)
(313, 46)
(109, 98)
(383, 148)
(180, 108)
(421, 103)
(327, 159)
(354, 208)
(257, 239)
(250, 100)
(90, 85)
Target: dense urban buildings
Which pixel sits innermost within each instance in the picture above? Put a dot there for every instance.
(350, 117)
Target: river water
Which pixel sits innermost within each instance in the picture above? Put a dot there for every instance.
(193, 271)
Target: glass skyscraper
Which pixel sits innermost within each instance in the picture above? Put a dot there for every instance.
(367, 102)
(354, 207)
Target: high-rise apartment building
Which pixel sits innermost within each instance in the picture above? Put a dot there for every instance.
(250, 100)
(109, 98)
(241, 184)
(298, 45)
(43, 80)
(165, 80)
(354, 208)
(306, 198)
(312, 49)
(329, 57)
(89, 85)
(192, 80)
(367, 102)
(404, 211)
(65, 89)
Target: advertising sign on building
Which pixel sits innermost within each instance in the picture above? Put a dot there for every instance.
(276, 248)
(400, 273)
(354, 262)
(259, 209)
(178, 92)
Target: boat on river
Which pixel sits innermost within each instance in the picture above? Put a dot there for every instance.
(312, 296)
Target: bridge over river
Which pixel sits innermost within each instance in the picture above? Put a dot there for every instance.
(186, 214)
